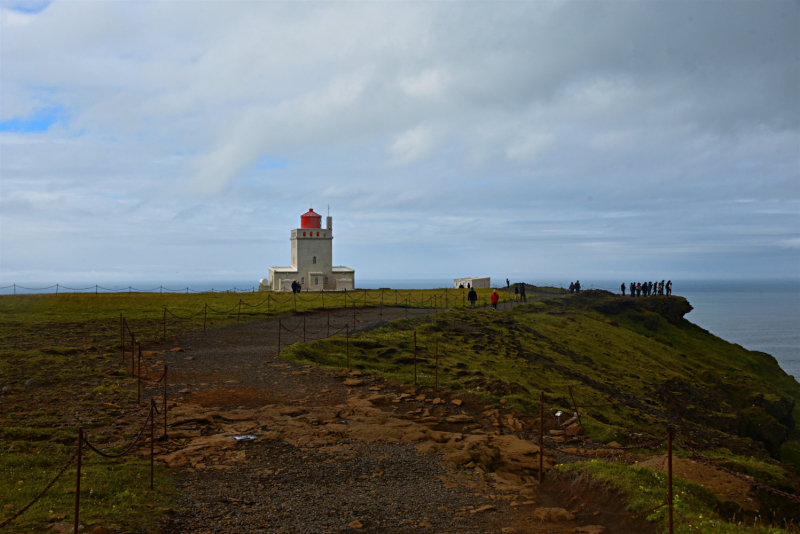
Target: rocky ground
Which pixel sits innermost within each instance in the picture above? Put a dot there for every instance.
(330, 450)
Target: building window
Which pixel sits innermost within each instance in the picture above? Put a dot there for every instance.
(304, 233)
(316, 281)
(326, 280)
(315, 260)
(303, 280)
(317, 234)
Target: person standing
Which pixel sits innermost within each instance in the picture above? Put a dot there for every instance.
(638, 289)
(508, 284)
(622, 288)
(669, 288)
(516, 292)
(577, 286)
(522, 296)
(633, 289)
(472, 296)
(572, 287)
(495, 299)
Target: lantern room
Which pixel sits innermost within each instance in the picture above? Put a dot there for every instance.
(311, 220)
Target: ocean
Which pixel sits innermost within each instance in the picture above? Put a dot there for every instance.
(763, 316)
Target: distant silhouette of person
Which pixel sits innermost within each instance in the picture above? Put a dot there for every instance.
(460, 286)
(577, 286)
(508, 284)
(516, 292)
(622, 288)
(669, 288)
(467, 285)
(572, 287)
(472, 296)
(522, 296)
(633, 289)
(638, 289)
(495, 299)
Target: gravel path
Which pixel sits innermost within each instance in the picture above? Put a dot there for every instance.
(278, 487)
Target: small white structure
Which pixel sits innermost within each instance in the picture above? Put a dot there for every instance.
(476, 282)
(312, 260)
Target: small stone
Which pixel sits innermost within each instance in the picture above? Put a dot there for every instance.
(189, 358)
(99, 530)
(457, 402)
(355, 524)
(8, 506)
(508, 530)
(420, 397)
(437, 400)
(590, 529)
(184, 391)
(111, 405)
(176, 349)
(503, 401)
(424, 523)
(56, 517)
(353, 382)
(31, 383)
(65, 527)
(355, 372)
(485, 508)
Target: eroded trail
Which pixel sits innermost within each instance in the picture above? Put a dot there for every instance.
(331, 450)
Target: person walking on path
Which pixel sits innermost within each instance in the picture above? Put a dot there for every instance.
(522, 296)
(472, 296)
(495, 299)
(622, 288)
(669, 287)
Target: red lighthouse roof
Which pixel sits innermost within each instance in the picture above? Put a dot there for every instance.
(311, 220)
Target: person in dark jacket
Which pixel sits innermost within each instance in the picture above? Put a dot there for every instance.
(516, 292)
(472, 296)
(572, 287)
(294, 286)
(495, 300)
(669, 287)
(508, 283)
(622, 288)
(522, 296)
(577, 286)
(633, 289)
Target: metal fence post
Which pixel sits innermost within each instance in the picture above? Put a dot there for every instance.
(133, 353)
(415, 358)
(205, 313)
(122, 338)
(78, 481)
(280, 327)
(575, 405)
(152, 439)
(541, 435)
(436, 383)
(670, 431)
(139, 378)
(165, 322)
(165, 401)
(239, 317)
(347, 343)
(304, 327)
(329, 322)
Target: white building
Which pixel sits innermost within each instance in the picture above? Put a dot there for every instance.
(312, 260)
(476, 282)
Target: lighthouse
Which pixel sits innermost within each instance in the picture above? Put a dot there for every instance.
(312, 260)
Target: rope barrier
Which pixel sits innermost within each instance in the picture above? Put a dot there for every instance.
(41, 493)
(127, 450)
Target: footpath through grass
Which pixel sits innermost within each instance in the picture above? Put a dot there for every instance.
(68, 346)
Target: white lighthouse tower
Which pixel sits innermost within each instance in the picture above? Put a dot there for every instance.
(312, 260)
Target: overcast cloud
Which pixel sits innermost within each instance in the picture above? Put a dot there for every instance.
(181, 141)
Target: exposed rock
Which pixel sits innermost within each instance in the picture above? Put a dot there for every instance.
(485, 508)
(99, 530)
(31, 383)
(353, 382)
(590, 529)
(355, 524)
(56, 517)
(552, 514)
(460, 418)
(176, 349)
(457, 402)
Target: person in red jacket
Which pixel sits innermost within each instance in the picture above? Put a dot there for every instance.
(495, 299)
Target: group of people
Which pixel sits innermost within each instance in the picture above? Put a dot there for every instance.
(296, 287)
(647, 289)
(575, 287)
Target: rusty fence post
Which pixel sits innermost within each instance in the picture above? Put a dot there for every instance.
(347, 343)
(436, 375)
(541, 435)
(329, 322)
(78, 480)
(280, 327)
(304, 327)
(165, 401)
(205, 313)
(133, 353)
(354, 317)
(268, 297)
(139, 378)
(165, 322)
(239, 317)
(575, 406)
(678, 413)
(670, 432)
(122, 337)
(415, 358)
(152, 438)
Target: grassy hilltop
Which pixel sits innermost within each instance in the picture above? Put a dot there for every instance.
(739, 405)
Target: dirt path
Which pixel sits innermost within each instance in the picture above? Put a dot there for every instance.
(334, 451)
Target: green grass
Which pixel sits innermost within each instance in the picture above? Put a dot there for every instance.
(736, 402)
(645, 488)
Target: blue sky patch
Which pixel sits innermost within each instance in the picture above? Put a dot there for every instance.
(26, 6)
(266, 162)
(40, 121)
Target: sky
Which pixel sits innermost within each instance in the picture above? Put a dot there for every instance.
(178, 142)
